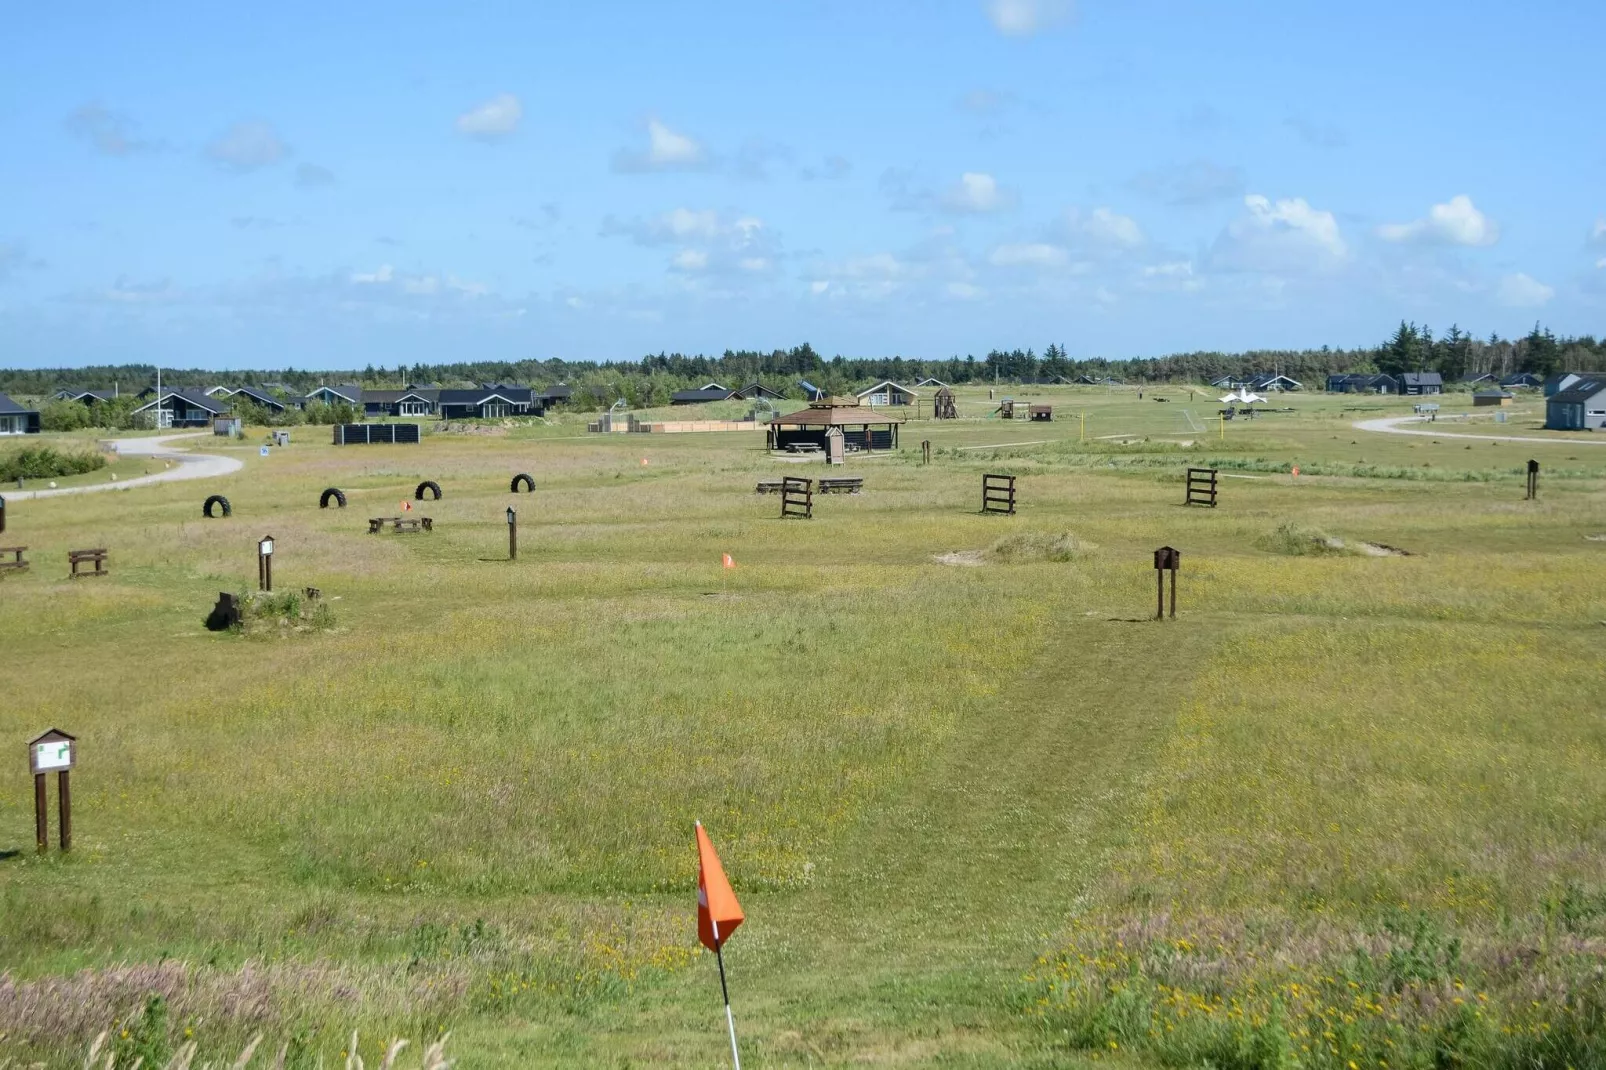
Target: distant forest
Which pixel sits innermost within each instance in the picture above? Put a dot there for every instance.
(649, 381)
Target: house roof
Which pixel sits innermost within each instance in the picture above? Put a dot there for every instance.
(1265, 379)
(885, 383)
(348, 391)
(556, 393)
(1477, 377)
(756, 389)
(933, 381)
(1491, 392)
(705, 394)
(190, 396)
(1422, 379)
(11, 408)
(836, 412)
(259, 396)
(1584, 390)
(513, 395)
(1521, 379)
(391, 397)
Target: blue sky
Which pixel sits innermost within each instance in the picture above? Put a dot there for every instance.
(334, 185)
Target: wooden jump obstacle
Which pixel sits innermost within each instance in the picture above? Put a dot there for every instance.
(925, 451)
(1166, 559)
(998, 494)
(769, 486)
(399, 524)
(1201, 487)
(1533, 482)
(18, 563)
(842, 485)
(1040, 413)
(797, 498)
(77, 559)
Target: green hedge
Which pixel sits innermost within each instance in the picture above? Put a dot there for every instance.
(44, 462)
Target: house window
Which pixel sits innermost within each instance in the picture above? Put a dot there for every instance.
(1597, 412)
(414, 408)
(8, 425)
(494, 410)
(878, 399)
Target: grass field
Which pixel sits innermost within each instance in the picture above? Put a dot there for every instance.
(1348, 810)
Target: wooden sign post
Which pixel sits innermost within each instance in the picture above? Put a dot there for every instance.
(265, 563)
(512, 534)
(54, 752)
(1166, 559)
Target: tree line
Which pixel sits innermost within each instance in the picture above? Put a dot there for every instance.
(649, 381)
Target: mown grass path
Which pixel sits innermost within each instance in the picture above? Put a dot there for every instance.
(916, 954)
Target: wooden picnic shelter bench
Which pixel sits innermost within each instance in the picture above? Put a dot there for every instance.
(17, 563)
(399, 524)
(77, 559)
(842, 485)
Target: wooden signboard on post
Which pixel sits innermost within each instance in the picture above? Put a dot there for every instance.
(53, 752)
(1533, 481)
(1166, 559)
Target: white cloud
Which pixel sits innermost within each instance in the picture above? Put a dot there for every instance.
(247, 146)
(1457, 222)
(964, 291)
(1601, 263)
(311, 176)
(1108, 228)
(1029, 254)
(1522, 291)
(1194, 183)
(1283, 236)
(1169, 270)
(704, 241)
(1022, 18)
(110, 132)
(387, 278)
(1597, 236)
(977, 192)
(667, 150)
(495, 118)
(819, 286)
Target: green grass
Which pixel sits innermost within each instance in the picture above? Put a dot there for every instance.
(466, 804)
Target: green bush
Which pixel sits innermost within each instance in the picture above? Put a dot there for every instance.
(1291, 539)
(45, 462)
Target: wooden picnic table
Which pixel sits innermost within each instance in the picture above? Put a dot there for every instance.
(803, 447)
(76, 559)
(399, 524)
(769, 486)
(18, 563)
(842, 485)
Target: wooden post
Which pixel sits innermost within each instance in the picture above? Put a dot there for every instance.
(1159, 608)
(265, 563)
(41, 819)
(1533, 481)
(64, 799)
(512, 534)
(1173, 592)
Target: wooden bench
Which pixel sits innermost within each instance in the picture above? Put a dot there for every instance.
(399, 524)
(842, 485)
(17, 563)
(769, 486)
(76, 559)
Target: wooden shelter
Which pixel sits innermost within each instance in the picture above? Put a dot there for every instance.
(859, 426)
(943, 407)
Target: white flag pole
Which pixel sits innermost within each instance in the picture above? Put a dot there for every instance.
(730, 1021)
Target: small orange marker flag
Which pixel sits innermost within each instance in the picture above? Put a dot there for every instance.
(718, 915)
(644, 461)
(718, 912)
(1296, 471)
(728, 561)
(407, 507)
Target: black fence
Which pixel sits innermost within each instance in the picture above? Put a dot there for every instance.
(358, 434)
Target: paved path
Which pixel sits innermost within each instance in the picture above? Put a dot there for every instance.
(185, 466)
(1391, 426)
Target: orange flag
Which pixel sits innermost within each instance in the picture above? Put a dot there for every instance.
(718, 912)
(728, 560)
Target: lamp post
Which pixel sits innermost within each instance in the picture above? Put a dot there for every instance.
(265, 563)
(512, 534)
